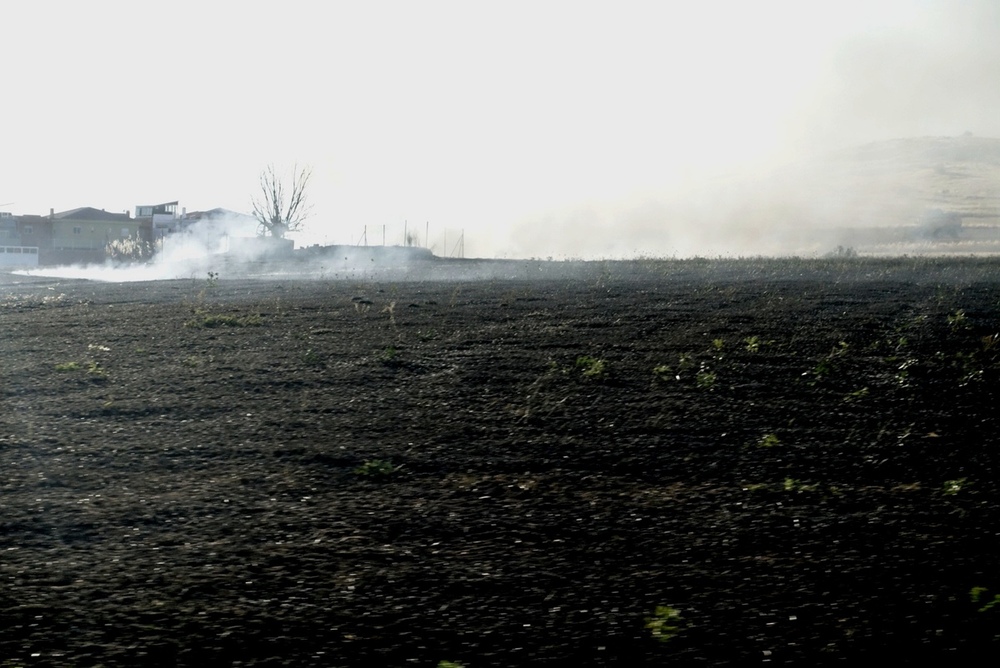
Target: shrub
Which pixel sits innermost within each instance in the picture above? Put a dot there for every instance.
(130, 249)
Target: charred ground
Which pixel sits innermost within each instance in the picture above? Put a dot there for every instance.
(798, 458)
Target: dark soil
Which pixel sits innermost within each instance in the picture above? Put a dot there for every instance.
(800, 458)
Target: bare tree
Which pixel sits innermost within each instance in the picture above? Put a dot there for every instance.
(275, 216)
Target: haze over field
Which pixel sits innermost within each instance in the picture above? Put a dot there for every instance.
(564, 129)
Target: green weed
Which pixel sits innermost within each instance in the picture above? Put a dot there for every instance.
(958, 321)
(756, 487)
(92, 368)
(953, 487)
(685, 362)
(768, 441)
(665, 623)
(902, 375)
(827, 365)
(662, 371)
(976, 596)
(705, 379)
(389, 356)
(376, 468)
(794, 485)
(591, 367)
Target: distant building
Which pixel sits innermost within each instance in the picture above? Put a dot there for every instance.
(8, 229)
(81, 235)
(218, 224)
(219, 215)
(162, 218)
(14, 252)
(35, 231)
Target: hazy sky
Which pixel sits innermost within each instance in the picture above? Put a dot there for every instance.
(505, 119)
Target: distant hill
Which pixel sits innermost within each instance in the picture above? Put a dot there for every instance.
(928, 194)
(956, 174)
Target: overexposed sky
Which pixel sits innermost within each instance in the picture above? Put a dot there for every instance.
(496, 118)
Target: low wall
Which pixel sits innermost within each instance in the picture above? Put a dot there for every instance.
(18, 256)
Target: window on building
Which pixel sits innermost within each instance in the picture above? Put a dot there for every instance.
(77, 230)
(27, 229)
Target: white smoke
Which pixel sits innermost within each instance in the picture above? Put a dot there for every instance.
(202, 247)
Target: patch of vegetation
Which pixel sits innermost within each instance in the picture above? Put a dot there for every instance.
(827, 365)
(794, 485)
(213, 320)
(91, 367)
(976, 595)
(129, 250)
(756, 487)
(389, 356)
(953, 487)
(376, 468)
(662, 371)
(665, 623)
(705, 379)
(768, 441)
(902, 375)
(752, 344)
(958, 321)
(591, 367)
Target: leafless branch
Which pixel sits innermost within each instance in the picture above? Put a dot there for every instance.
(275, 218)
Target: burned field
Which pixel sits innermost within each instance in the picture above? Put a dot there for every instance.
(635, 463)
